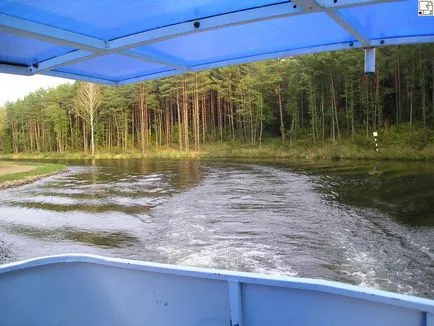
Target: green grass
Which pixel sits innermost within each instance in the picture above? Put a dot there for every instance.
(269, 149)
(41, 169)
(166, 153)
(393, 145)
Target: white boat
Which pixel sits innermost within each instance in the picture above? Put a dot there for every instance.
(95, 290)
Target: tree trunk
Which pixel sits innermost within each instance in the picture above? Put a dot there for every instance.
(346, 106)
(282, 126)
(335, 107)
(261, 121)
(410, 88)
(231, 113)
(178, 109)
(422, 90)
(212, 115)
(143, 130)
(125, 133)
(333, 135)
(133, 124)
(185, 115)
(352, 112)
(84, 137)
(366, 102)
(313, 111)
(204, 118)
(399, 92)
(220, 116)
(396, 93)
(92, 141)
(322, 112)
(196, 123)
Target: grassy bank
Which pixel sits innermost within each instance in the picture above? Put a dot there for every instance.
(163, 153)
(272, 148)
(19, 173)
(324, 150)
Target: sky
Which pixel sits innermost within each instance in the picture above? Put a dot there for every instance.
(13, 87)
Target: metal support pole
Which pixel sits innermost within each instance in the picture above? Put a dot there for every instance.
(370, 61)
(235, 303)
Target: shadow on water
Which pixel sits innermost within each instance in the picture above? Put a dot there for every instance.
(404, 190)
(97, 208)
(103, 239)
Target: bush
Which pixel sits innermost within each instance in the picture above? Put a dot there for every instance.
(398, 135)
(363, 141)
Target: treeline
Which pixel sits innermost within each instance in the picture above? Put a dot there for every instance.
(322, 96)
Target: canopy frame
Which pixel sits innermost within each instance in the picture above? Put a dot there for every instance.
(87, 47)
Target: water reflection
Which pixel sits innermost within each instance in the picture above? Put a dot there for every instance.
(98, 206)
(403, 190)
(128, 186)
(102, 239)
(102, 203)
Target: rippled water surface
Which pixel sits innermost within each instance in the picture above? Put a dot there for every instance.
(363, 223)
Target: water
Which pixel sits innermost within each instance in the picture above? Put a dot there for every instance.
(364, 223)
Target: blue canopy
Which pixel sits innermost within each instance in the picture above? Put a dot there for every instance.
(118, 42)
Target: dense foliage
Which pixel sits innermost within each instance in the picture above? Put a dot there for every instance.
(319, 97)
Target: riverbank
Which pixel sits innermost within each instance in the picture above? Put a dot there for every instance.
(322, 150)
(13, 174)
(273, 148)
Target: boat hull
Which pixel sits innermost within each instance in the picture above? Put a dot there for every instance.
(95, 290)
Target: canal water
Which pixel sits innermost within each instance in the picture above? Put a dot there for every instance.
(358, 222)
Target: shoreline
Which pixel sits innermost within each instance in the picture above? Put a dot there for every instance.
(27, 179)
(332, 152)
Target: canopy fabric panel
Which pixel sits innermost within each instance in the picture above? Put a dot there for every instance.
(118, 42)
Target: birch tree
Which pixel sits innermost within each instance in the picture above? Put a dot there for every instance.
(87, 105)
